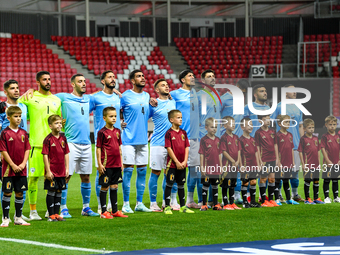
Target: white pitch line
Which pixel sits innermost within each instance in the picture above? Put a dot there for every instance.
(52, 245)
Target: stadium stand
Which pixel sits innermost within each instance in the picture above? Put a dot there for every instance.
(22, 56)
(120, 54)
(329, 53)
(231, 57)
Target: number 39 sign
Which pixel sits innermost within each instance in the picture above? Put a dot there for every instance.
(258, 71)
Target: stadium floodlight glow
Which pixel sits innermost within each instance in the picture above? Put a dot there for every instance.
(238, 100)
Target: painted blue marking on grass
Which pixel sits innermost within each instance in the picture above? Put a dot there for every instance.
(302, 246)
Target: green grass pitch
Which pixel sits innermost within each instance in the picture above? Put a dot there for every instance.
(157, 230)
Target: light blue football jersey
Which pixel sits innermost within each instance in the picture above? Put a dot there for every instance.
(76, 111)
(136, 111)
(295, 114)
(160, 119)
(213, 110)
(99, 101)
(187, 103)
(254, 117)
(227, 105)
(4, 122)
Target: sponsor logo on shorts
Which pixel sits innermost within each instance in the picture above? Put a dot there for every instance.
(23, 187)
(120, 179)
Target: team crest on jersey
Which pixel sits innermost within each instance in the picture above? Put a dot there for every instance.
(8, 185)
(63, 144)
(117, 134)
(183, 138)
(254, 143)
(272, 136)
(54, 103)
(23, 138)
(316, 143)
(218, 145)
(236, 142)
(338, 140)
(172, 177)
(290, 139)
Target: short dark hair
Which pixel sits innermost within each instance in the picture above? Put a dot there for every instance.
(107, 109)
(41, 73)
(288, 85)
(103, 75)
(260, 117)
(9, 82)
(172, 113)
(204, 73)
(12, 110)
(74, 77)
(132, 74)
(183, 74)
(157, 82)
(53, 118)
(243, 84)
(256, 87)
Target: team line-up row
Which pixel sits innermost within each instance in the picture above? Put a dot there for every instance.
(136, 110)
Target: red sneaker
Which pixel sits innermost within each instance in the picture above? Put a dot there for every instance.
(106, 215)
(58, 217)
(119, 214)
(273, 203)
(267, 204)
(236, 207)
(228, 207)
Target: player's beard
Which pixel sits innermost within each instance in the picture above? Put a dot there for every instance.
(108, 85)
(79, 91)
(44, 88)
(164, 93)
(138, 85)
